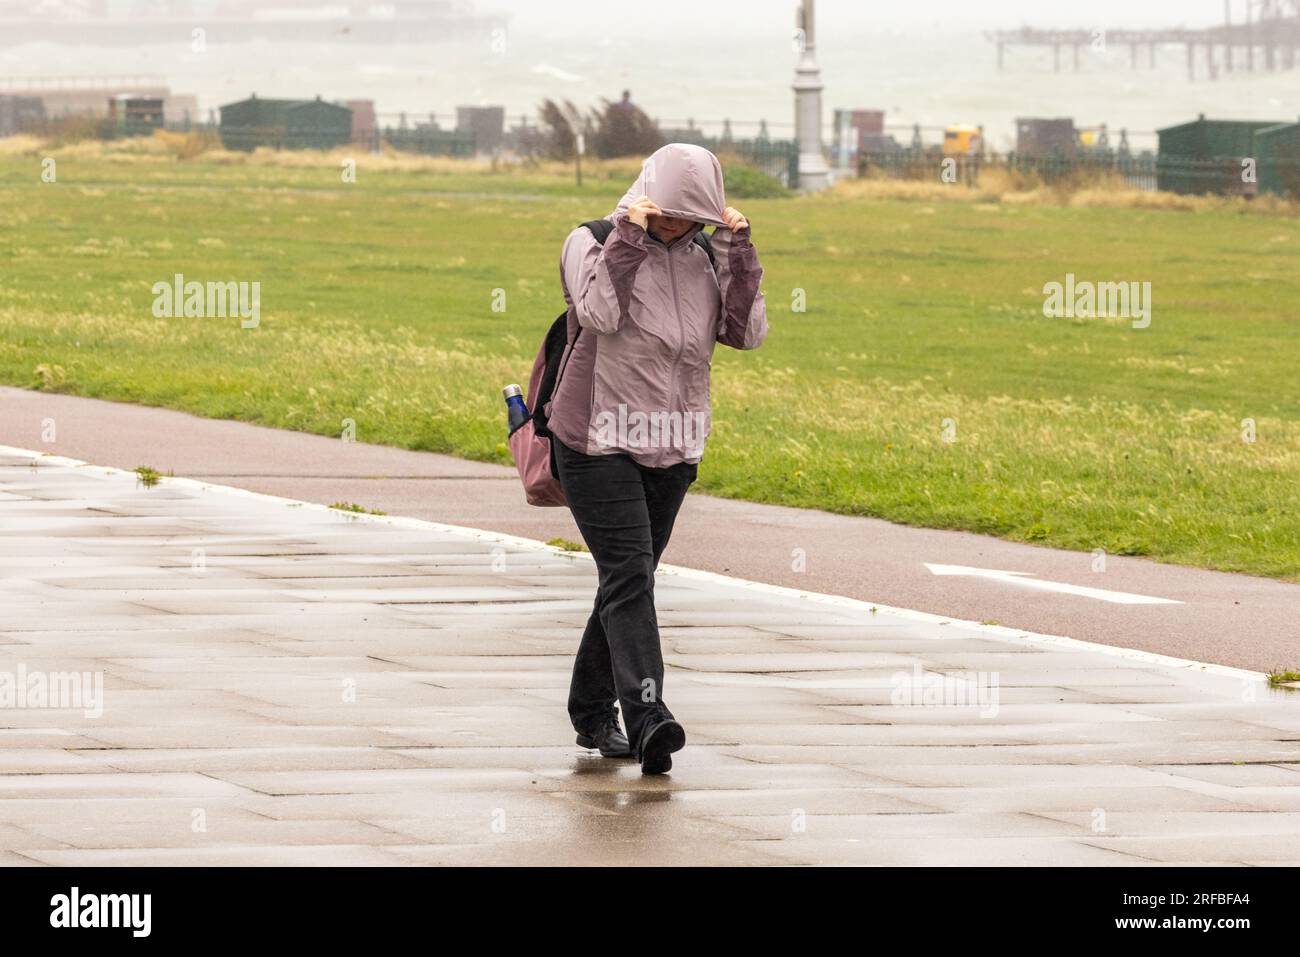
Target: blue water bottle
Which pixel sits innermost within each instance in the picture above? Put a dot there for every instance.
(516, 411)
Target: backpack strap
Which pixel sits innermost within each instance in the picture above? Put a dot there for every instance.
(552, 350)
(557, 340)
(702, 240)
(600, 228)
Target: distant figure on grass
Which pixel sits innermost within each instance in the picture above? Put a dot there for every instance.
(630, 416)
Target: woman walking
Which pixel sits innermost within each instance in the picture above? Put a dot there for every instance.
(630, 416)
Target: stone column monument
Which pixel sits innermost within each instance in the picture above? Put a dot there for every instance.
(813, 171)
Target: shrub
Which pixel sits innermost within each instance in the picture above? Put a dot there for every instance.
(746, 182)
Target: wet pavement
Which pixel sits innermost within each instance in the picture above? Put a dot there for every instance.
(282, 683)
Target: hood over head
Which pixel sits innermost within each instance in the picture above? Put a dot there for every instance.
(684, 181)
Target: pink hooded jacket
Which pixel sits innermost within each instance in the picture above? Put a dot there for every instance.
(637, 381)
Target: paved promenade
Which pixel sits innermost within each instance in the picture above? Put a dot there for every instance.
(281, 683)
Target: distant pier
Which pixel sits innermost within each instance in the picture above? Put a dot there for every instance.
(1257, 35)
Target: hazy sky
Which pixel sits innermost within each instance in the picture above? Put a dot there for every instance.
(716, 16)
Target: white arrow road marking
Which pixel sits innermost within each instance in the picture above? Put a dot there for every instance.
(1021, 579)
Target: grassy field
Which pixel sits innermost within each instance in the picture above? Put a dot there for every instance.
(377, 307)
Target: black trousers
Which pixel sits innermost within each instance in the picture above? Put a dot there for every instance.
(625, 513)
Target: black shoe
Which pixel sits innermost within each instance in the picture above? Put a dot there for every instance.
(609, 739)
(659, 744)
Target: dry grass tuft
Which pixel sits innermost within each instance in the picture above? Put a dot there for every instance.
(20, 145)
(166, 145)
(1020, 189)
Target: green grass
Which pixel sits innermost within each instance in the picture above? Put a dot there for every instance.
(377, 308)
(149, 477)
(354, 507)
(564, 545)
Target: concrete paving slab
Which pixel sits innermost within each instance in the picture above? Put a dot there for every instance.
(476, 808)
(335, 689)
(253, 855)
(998, 851)
(1045, 800)
(700, 846)
(1191, 849)
(798, 822)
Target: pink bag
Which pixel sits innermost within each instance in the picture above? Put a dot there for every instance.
(532, 452)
